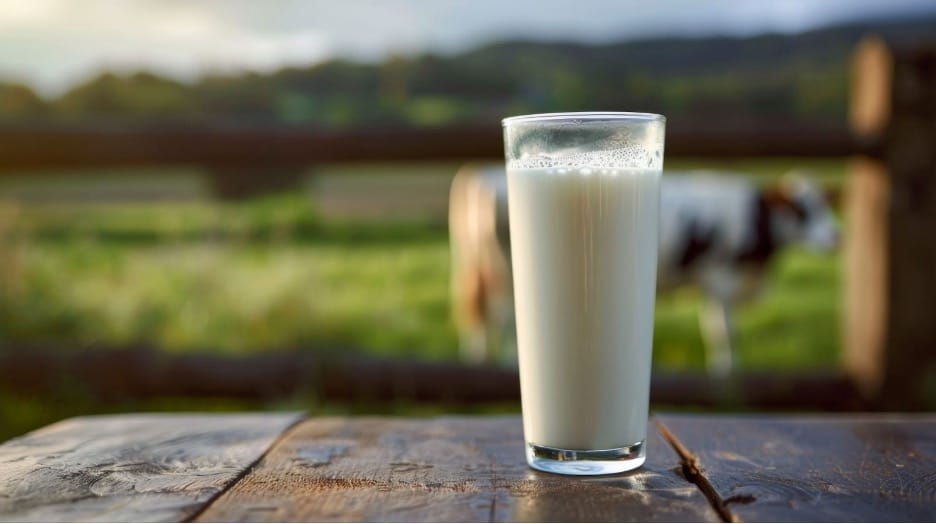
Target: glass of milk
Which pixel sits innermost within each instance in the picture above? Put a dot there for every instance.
(584, 197)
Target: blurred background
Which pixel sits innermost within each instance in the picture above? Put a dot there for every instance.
(212, 205)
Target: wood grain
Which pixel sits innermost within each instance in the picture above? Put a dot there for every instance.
(828, 468)
(445, 469)
(143, 467)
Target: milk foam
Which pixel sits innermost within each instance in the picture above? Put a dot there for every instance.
(628, 156)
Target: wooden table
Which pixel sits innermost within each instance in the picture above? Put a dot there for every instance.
(262, 467)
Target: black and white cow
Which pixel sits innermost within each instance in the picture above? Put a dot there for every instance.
(718, 231)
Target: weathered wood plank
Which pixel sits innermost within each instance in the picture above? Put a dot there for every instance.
(141, 467)
(828, 468)
(445, 469)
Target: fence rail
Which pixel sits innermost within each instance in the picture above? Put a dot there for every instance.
(114, 375)
(58, 146)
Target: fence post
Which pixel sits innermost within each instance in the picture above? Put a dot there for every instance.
(889, 327)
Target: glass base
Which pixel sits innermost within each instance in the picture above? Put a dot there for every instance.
(586, 462)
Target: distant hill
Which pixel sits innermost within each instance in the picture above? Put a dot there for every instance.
(802, 76)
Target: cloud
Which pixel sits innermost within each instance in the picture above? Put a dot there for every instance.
(53, 43)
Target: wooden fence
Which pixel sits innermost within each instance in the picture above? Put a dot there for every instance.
(889, 335)
(889, 328)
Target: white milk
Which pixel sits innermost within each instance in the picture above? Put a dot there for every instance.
(584, 247)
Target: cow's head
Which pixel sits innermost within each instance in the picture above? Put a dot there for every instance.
(801, 213)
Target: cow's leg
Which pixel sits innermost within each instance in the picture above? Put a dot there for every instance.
(718, 332)
(471, 316)
(474, 345)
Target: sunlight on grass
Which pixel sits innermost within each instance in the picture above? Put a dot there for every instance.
(388, 299)
(796, 325)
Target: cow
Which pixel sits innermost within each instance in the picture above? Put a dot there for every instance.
(481, 285)
(718, 231)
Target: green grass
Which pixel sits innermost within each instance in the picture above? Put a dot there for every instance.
(271, 273)
(387, 294)
(389, 299)
(792, 325)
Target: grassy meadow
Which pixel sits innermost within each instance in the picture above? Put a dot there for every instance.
(155, 260)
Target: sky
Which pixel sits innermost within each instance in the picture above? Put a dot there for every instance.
(52, 44)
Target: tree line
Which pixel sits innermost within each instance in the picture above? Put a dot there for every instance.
(802, 76)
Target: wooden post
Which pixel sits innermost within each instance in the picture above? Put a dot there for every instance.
(865, 304)
(890, 305)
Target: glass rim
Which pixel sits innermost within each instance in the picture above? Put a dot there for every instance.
(590, 116)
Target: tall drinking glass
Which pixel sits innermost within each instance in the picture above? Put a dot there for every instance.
(584, 197)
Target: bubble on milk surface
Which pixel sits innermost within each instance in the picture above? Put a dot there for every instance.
(633, 156)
